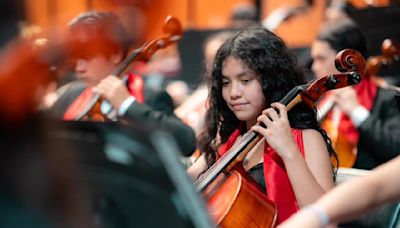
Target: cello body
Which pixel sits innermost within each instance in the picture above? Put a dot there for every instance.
(239, 203)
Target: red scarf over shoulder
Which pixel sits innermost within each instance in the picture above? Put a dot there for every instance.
(279, 188)
(135, 87)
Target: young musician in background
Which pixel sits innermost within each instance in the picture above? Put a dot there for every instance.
(363, 121)
(100, 44)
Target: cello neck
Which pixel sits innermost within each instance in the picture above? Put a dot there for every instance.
(120, 69)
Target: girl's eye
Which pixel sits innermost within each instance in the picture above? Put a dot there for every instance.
(246, 81)
(224, 82)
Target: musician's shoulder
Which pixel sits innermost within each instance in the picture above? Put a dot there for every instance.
(66, 96)
(73, 86)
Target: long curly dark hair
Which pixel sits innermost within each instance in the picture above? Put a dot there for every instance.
(267, 55)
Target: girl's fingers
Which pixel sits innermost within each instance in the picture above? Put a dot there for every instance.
(264, 119)
(281, 108)
(259, 129)
(271, 113)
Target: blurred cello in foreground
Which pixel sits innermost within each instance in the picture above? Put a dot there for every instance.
(347, 150)
(26, 70)
(28, 154)
(233, 198)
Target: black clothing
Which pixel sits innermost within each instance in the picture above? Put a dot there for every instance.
(155, 112)
(380, 133)
(144, 114)
(257, 173)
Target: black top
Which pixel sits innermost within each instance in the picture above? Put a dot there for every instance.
(380, 133)
(155, 112)
(257, 173)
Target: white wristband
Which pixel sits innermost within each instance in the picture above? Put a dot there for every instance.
(321, 213)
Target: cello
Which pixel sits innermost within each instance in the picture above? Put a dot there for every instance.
(172, 27)
(233, 201)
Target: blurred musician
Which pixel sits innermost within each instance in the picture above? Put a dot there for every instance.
(362, 121)
(100, 43)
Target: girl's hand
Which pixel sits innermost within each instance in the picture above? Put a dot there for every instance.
(277, 131)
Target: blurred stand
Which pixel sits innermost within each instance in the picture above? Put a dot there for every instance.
(133, 175)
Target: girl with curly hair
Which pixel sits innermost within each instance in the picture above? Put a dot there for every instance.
(251, 73)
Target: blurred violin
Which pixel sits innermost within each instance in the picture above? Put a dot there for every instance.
(172, 27)
(225, 198)
(390, 55)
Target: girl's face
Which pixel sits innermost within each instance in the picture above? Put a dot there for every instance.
(242, 91)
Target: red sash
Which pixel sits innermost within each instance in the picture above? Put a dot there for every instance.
(135, 87)
(279, 188)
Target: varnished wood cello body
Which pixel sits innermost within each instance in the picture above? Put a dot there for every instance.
(240, 203)
(234, 200)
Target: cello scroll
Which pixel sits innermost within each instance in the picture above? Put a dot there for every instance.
(348, 61)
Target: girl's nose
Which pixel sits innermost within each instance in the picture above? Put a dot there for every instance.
(236, 90)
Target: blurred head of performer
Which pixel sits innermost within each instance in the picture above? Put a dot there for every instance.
(211, 46)
(332, 39)
(100, 44)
